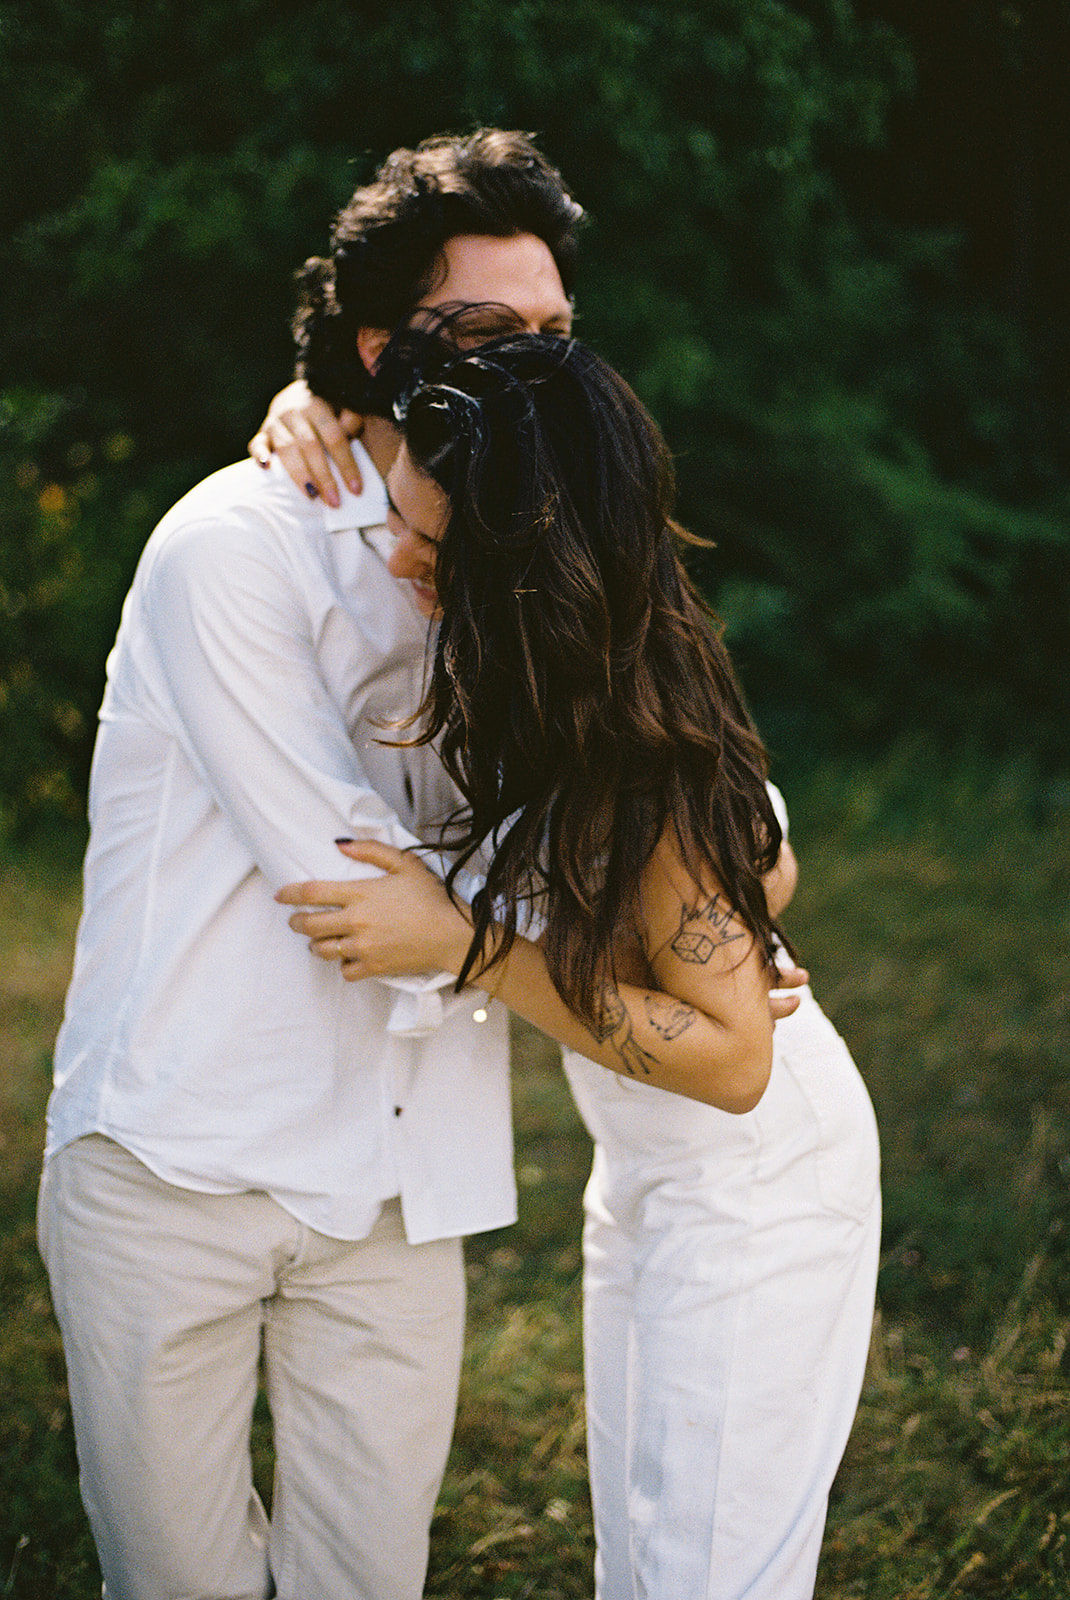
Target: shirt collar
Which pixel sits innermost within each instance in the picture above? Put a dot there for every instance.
(364, 510)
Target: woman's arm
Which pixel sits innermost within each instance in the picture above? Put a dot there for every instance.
(702, 1027)
(308, 436)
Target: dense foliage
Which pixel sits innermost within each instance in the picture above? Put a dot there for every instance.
(872, 432)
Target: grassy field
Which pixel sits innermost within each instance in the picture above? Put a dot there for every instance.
(933, 915)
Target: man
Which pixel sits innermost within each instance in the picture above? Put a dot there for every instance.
(244, 1150)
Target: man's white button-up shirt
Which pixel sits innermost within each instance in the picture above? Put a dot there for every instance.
(263, 645)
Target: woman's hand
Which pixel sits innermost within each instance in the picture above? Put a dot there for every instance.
(403, 922)
(781, 981)
(308, 436)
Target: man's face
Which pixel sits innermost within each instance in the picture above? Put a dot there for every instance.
(419, 511)
(518, 272)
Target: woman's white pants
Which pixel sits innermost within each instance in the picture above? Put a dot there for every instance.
(729, 1276)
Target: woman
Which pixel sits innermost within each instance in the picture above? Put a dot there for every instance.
(589, 715)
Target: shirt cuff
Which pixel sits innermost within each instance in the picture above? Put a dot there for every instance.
(420, 1004)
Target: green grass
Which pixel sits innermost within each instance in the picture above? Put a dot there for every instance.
(932, 911)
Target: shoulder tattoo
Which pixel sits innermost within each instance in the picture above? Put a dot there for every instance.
(703, 928)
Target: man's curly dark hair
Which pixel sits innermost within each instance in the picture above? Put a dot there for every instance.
(386, 244)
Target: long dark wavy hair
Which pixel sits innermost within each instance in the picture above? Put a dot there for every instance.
(579, 692)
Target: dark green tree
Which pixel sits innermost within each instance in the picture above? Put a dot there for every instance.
(169, 166)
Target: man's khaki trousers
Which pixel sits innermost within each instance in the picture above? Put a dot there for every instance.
(167, 1298)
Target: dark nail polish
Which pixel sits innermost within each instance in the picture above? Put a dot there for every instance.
(312, 492)
(345, 841)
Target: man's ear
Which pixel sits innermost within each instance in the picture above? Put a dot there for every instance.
(371, 342)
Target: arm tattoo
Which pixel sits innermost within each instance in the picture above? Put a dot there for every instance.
(615, 1019)
(611, 1017)
(668, 1017)
(702, 928)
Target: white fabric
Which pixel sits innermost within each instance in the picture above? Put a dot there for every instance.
(729, 1276)
(779, 804)
(163, 1296)
(263, 643)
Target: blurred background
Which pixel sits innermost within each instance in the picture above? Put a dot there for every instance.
(827, 244)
